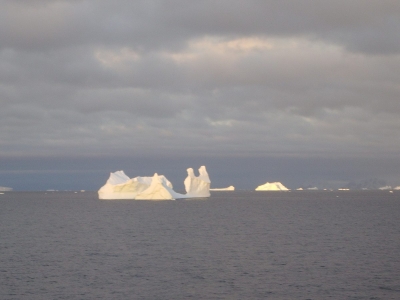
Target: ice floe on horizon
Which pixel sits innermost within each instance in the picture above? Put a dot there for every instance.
(229, 188)
(312, 188)
(5, 189)
(387, 187)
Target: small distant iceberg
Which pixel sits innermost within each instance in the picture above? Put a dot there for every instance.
(312, 188)
(5, 189)
(157, 187)
(272, 186)
(229, 188)
(397, 188)
(387, 187)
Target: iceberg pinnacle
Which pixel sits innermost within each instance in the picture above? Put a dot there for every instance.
(197, 186)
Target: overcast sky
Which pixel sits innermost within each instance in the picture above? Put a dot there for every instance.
(260, 81)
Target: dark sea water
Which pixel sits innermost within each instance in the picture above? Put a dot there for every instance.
(234, 245)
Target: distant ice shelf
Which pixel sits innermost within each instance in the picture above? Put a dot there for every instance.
(157, 187)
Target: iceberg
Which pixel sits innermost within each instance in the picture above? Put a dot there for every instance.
(229, 188)
(197, 186)
(157, 187)
(312, 188)
(272, 186)
(120, 186)
(387, 187)
(397, 188)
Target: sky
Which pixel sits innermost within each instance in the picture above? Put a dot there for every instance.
(302, 92)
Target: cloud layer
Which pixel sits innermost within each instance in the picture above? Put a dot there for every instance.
(245, 78)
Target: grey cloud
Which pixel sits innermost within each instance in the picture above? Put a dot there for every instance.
(327, 94)
(364, 26)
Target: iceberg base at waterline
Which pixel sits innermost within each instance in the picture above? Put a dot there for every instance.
(272, 186)
(157, 187)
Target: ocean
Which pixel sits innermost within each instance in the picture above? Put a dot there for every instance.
(233, 245)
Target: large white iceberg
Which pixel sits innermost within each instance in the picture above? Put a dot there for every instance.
(120, 186)
(272, 186)
(158, 187)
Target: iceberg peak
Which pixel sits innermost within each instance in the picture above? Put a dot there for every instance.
(118, 177)
(158, 190)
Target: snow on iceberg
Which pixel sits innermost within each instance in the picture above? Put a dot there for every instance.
(272, 186)
(197, 186)
(158, 187)
(229, 188)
